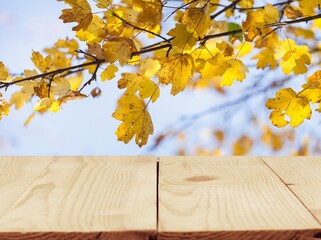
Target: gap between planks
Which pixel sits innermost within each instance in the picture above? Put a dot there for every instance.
(293, 192)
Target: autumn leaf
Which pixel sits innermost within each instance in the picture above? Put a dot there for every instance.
(292, 13)
(197, 19)
(266, 58)
(60, 87)
(95, 31)
(119, 48)
(288, 103)
(4, 108)
(149, 67)
(236, 71)
(43, 64)
(176, 70)
(80, 12)
(43, 105)
(134, 82)
(3, 72)
(242, 145)
(108, 73)
(184, 37)
(294, 58)
(136, 120)
(254, 22)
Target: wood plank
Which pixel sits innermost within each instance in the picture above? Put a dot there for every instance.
(108, 197)
(228, 198)
(16, 174)
(303, 176)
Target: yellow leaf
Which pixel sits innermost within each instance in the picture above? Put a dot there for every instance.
(287, 102)
(246, 3)
(243, 49)
(242, 145)
(75, 81)
(254, 22)
(4, 108)
(311, 91)
(80, 12)
(265, 58)
(103, 3)
(149, 67)
(109, 72)
(43, 105)
(134, 82)
(119, 48)
(278, 118)
(59, 87)
(55, 106)
(315, 77)
(43, 64)
(176, 70)
(197, 19)
(184, 37)
(271, 14)
(4, 74)
(27, 122)
(292, 13)
(236, 71)
(294, 58)
(72, 95)
(136, 120)
(215, 67)
(94, 33)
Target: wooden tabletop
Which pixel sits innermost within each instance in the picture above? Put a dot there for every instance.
(163, 198)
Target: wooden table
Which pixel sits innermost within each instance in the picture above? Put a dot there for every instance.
(161, 198)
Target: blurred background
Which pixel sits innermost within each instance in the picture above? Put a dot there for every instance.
(203, 121)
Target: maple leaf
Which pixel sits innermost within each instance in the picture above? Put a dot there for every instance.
(136, 82)
(43, 64)
(271, 14)
(288, 103)
(197, 19)
(149, 67)
(4, 74)
(266, 58)
(184, 37)
(80, 12)
(95, 31)
(108, 73)
(119, 48)
(136, 120)
(43, 105)
(236, 71)
(242, 145)
(292, 13)
(254, 22)
(60, 87)
(176, 70)
(294, 58)
(4, 108)
(216, 66)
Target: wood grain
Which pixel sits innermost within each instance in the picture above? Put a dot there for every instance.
(97, 195)
(303, 176)
(228, 198)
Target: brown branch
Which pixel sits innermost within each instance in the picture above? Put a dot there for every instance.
(232, 5)
(152, 48)
(278, 24)
(47, 74)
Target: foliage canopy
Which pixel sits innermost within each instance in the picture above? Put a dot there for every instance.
(206, 42)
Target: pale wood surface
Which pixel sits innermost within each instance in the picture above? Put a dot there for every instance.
(228, 198)
(78, 194)
(303, 176)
